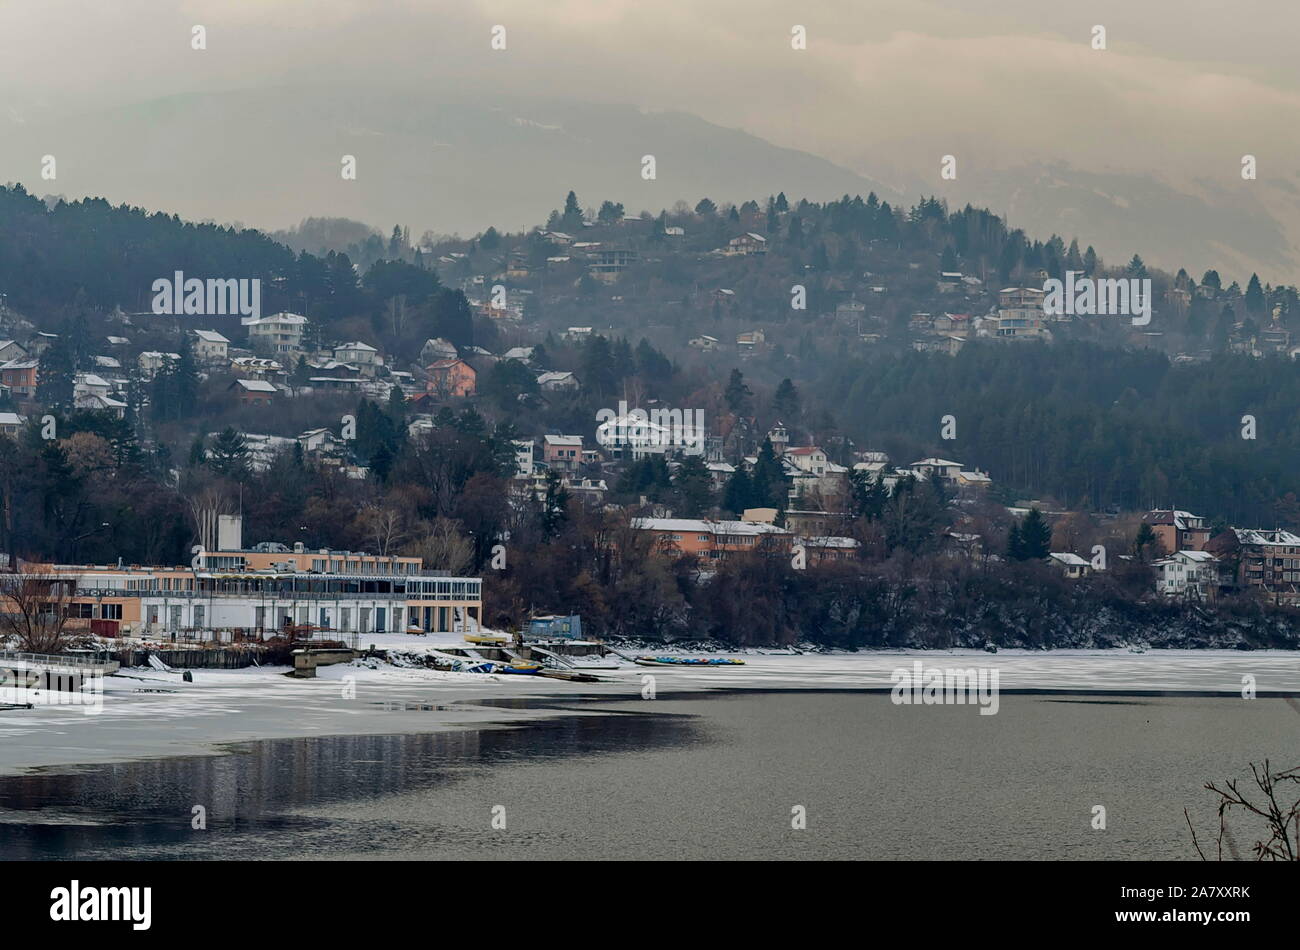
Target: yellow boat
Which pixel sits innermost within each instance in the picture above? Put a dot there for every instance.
(487, 639)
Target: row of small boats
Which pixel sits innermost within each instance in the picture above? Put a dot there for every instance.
(686, 661)
(528, 668)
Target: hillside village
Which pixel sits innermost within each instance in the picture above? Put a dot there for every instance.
(723, 443)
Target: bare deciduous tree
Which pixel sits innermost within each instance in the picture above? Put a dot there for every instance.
(1281, 821)
(383, 527)
(34, 610)
(444, 548)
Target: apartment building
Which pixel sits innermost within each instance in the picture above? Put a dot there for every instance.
(278, 333)
(1263, 560)
(711, 539)
(1178, 530)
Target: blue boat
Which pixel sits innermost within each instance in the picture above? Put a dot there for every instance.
(687, 661)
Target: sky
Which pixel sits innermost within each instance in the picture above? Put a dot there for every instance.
(1183, 89)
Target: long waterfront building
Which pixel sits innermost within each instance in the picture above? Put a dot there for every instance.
(263, 590)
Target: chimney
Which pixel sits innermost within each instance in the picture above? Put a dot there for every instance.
(230, 533)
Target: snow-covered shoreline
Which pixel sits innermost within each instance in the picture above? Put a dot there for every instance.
(222, 708)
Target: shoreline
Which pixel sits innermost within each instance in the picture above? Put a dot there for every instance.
(229, 707)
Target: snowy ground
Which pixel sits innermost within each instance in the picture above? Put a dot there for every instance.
(372, 697)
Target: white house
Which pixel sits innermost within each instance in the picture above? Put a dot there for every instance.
(210, 346)
(555, 381)
(1191, 574)
(937, 468)
(320, 442)
(89, 384)
(11, 423)
(278, 333)
(1070, 564)
(437, 349)
(11, 350)
(523, 457)
(361, 355)
(151, 361)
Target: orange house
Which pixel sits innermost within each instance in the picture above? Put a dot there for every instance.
(452, 378)
(711, 539)
(254, 392)
(20, 377)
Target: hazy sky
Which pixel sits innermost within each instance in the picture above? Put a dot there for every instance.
(1184, 89)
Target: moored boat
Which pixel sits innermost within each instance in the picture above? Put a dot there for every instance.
(520, 666)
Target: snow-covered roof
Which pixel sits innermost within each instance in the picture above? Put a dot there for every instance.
(1073, 560)
(275, 318)
(256, 385)
(210, 336)
(706, 527)
(553, 377)
(828, 542)
(1277, 537)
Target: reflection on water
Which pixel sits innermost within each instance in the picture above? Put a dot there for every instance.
(683, 778)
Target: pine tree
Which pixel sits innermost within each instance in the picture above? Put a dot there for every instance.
(737, 494)
(737, 393)
(1035, 536)
(228, 455)
(1254, 296)
(692, 487)
(1015, 548)
(785, 402)
(770, 485)
(56, 378)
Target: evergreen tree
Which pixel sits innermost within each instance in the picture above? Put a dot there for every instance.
(1015, 547)
(692, 488)
(785, 402)
(56, 377)
(770, 486)
(1145, 542)
(1255, 303)
(228, 455)
(1035, 536)
(737, 393)
(738, 493)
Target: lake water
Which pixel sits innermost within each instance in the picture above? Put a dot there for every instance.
(697, 776)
